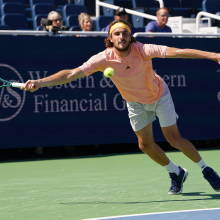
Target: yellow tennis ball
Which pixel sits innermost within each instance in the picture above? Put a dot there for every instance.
(108, 72)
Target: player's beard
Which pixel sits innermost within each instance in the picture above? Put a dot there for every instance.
(122, 49)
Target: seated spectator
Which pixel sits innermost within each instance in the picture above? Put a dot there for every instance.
(121, 14)
(159, 25)
(85, 23)
(56, 21)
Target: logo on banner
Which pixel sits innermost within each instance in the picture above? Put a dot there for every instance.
(11, 99)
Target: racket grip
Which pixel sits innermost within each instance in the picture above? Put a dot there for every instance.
(17, 85)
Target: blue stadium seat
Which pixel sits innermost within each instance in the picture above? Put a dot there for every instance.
(108, 11)
(33, 2)
(79, 2)
(172, 3)
(72, 20)
(20, 24)
(60, 3)
(184, 12)
(196, 4)
(42, 9)
(37, 19)
(145, 4)
(124, 3)
(4, 27)
(75, 28)
(175, 8)
(140, 29)
(103, 21)
(71, 9)
(15, 1)
(138, 21)
(13, 7)
(211, 6)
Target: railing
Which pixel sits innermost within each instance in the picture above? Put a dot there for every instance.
(129, 11)
(100, 33)
(59, 33)
(203, 13)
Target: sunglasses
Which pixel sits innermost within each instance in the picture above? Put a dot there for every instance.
(57, 19)
(165, 15)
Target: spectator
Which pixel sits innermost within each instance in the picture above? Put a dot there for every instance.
(85, 23)
(121, 14)
(159, 25)
(56, 21)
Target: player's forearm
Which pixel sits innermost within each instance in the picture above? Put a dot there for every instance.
(61, 77)
(191, 54)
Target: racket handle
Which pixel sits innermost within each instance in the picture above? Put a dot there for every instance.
(17, 85)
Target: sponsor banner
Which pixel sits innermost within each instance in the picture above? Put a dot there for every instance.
(90, 111)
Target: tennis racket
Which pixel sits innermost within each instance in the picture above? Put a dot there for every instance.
(11, 84)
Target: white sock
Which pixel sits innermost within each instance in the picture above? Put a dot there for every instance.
(202, 164)
(172, 168)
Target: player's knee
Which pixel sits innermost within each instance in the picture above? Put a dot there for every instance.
(145, 146)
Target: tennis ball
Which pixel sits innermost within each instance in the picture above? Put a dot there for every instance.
(108, 72)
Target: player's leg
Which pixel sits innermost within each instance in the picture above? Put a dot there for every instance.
(172, 135)
(141, 118)
(167, 117)
(148, 146)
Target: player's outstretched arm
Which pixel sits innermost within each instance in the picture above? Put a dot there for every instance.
(173, 52)
(61, 77)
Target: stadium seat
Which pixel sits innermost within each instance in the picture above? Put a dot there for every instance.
(37, 19)
(108, 11)
(172, 3)
(124, 3)
(211, 6)
(13, 7)
(72, 20)
(75, 28)
(103, 21)
(138, 21)
(60, 3)
(42, 9)
(79, 2)
(175, 9)
(145, 4)
(140, 29)
(184, 12)
(71, 9)
(195, 4)
(33, 2)
(4, 27)
(15, 1)
(20, 24)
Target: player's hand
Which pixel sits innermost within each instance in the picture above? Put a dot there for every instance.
(218, 58)
(31, 85)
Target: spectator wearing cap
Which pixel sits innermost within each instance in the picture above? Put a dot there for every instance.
(160, 24)
(121, 14)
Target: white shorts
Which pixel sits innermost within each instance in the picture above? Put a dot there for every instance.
(141, 115)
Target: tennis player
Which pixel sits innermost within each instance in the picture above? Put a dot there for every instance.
(146, 94)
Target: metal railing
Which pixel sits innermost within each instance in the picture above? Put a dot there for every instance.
(203, 13)
(129, 11)
(99, 33)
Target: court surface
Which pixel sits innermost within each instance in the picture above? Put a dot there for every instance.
(130, 186)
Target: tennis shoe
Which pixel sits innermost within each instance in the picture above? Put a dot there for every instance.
(177, 181)
(212, 177)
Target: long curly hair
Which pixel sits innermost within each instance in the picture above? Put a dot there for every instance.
(108, 43)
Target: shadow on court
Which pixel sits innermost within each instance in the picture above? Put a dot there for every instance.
(200, 194)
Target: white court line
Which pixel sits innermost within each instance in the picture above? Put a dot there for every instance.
(154, 213)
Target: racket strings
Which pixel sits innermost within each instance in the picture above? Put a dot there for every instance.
(6, 83)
